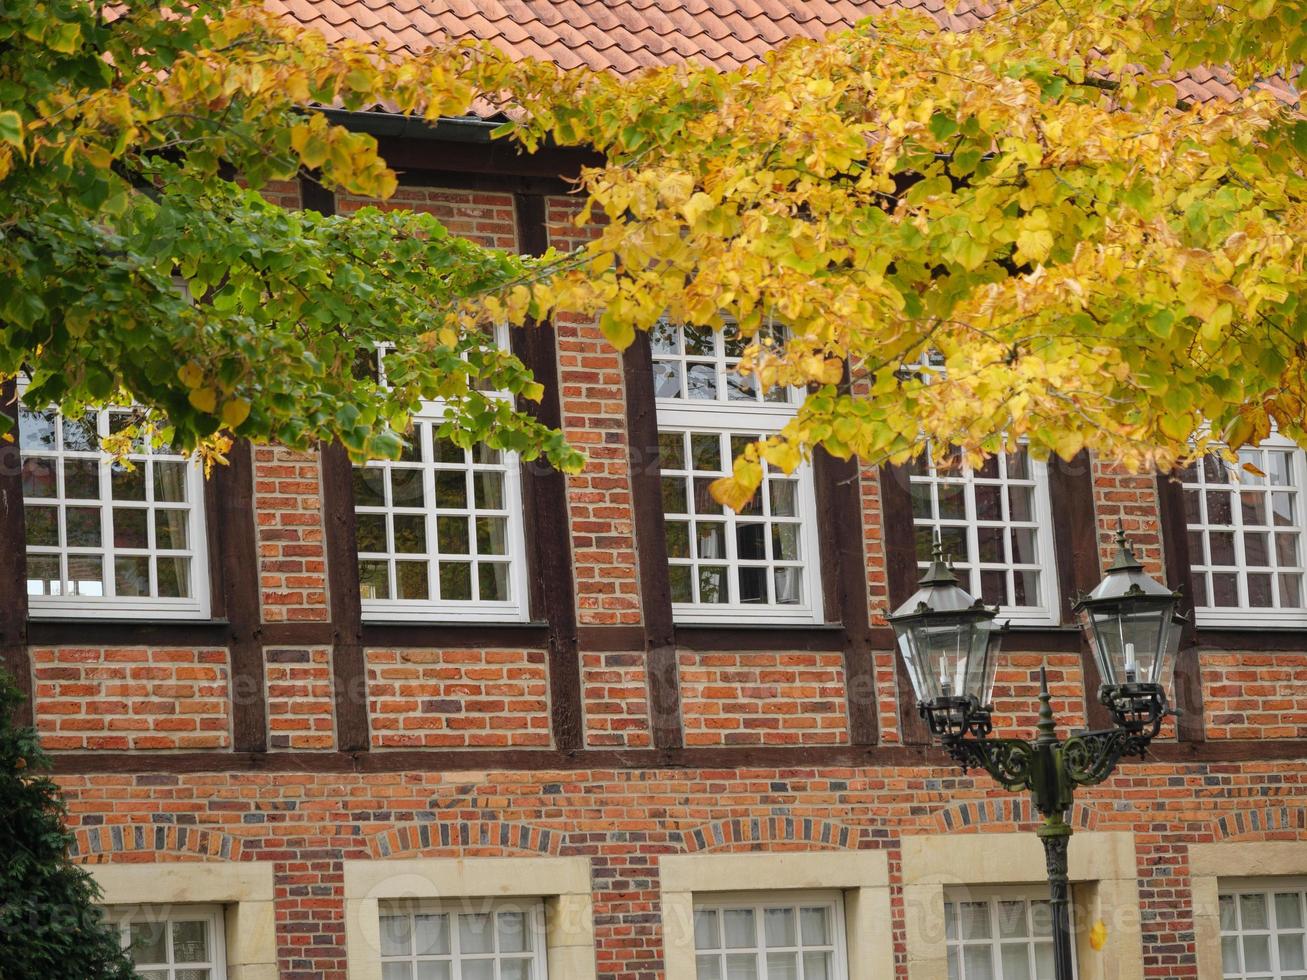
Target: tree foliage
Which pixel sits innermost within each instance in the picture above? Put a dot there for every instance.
(1077, 256)
(49, 924)
(1017, 232)
(133, 268)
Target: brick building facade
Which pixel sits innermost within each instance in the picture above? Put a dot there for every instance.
(630, 790)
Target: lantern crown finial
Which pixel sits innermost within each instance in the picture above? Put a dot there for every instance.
(938, 571)
(1125, 556)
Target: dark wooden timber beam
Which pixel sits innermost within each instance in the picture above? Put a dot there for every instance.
(549, 534)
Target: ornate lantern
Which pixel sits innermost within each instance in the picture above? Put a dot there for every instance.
(1134, 625)
(949, 644)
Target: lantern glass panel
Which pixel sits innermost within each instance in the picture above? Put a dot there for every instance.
(949, 656)
(1132, 639)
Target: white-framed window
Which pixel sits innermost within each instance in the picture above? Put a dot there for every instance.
(1002, 934)
(1246, 547)
(995, 525)
(782, 936)
(759, 563)
(173, 942)
(439, 531)
(110, 537)
(470, 939)
(1264, 929)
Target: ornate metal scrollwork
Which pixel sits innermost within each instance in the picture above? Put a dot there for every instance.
(1089, 758)
(1008, 760)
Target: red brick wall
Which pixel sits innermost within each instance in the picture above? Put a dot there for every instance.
(300, 698)
(1016, 692)
(283, 193)
(478, 215)
(615, 699)
(763, 698)
(1131, 499)
(624, 821)
(288, 517)
(122, 698)
(1255, 695)
(458, 698)
(593, 396)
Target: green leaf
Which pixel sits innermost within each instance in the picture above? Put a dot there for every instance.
(11, 128)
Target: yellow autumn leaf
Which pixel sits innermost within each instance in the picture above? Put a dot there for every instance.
(203, 399)
(190, 374)
(697, 206)
(1098, 935)
(234, 412)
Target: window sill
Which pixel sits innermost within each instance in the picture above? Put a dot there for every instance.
(55, 630)
(383, 633)
(736, 636)
(1253, 637)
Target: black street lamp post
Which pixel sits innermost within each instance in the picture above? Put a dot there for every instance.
(949, 643)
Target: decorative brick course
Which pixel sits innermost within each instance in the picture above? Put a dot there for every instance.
(288, 517)
(615, 697)
(458, 698)
(1255, 695)
(300, 698)
(763, 698)
(121, 698)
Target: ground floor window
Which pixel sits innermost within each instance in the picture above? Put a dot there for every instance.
(173, 942)
(998, 936)
(1264, 930)
(776, 937)
(465, 940)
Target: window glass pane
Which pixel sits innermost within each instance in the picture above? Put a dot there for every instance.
(374, 579)
(1015, 958)
(492, 581)
(512, 932)
(85, 575)
(475, 933)
(125, 483)
(173, 576)
(129, 527)
(741, 966)
(40, 478)
(782, 966)
(190, 941)
(1288, 910)
(148, 942)
(82, 479)
(738, 928)
(42, 525)
(779, 927)
(706, 935)
(131, 576)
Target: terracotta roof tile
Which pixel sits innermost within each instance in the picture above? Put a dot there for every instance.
(625, 36)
